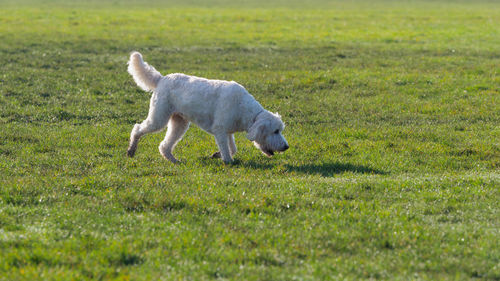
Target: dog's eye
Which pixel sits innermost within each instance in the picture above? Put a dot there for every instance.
(277, 131)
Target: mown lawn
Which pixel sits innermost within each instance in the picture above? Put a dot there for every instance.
(392, 112)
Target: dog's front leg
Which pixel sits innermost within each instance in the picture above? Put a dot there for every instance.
(222, 141)
(232, 144)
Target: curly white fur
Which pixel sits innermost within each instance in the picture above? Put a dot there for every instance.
(220, 108)
(144, 75)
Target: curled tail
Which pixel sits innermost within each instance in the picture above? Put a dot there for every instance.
(146, 76)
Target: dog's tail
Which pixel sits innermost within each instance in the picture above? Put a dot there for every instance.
(146, 76)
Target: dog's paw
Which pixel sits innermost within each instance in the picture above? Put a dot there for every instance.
(130, 153)
(216, 155)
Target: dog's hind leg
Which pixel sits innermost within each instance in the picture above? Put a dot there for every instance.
(156, 121)
(177, 127)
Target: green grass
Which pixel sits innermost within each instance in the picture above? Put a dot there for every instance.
(392, 112)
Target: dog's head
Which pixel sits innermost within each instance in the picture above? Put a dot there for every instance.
(266, 135)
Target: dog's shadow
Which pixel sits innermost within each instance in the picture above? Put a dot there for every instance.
(333, 168)
(324, 169)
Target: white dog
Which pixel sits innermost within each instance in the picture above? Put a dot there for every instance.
(220, 108)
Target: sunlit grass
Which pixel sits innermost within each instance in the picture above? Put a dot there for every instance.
(392, 117)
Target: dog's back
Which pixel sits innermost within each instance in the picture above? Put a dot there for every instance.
(204, 101)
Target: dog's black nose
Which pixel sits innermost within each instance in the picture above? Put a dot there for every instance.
(286, 147)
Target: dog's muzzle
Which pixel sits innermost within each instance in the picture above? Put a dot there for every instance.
(271, 153)
(284, 148)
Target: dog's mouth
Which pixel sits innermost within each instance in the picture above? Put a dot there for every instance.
(268, 152)
(271, 153)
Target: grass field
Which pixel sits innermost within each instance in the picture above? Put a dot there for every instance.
(392, 112)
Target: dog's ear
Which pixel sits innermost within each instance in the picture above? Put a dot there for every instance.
(256, 130)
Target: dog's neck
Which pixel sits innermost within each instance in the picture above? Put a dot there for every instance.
(254, 119)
